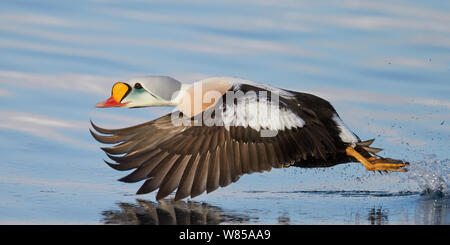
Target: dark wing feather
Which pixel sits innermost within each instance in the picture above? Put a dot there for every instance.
(193, 159)
(187, 180)
(173, 177)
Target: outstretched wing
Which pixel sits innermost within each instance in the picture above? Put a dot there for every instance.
(193, 159)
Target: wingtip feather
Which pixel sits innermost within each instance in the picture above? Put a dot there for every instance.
(101, 130)
(114, 166)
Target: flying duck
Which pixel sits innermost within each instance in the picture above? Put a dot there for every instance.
(222, 128)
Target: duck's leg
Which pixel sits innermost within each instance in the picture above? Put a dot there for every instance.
(377, 164)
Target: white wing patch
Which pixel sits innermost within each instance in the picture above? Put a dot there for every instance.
(260, 114)
(281, 92)
(346, 135)
(251, 110)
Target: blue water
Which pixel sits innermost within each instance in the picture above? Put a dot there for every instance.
(384, 66)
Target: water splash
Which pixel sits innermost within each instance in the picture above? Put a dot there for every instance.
(431, 175)
(428, 176)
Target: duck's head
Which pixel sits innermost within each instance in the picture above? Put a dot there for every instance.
(142, 92)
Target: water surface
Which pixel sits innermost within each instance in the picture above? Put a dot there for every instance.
(384, 66)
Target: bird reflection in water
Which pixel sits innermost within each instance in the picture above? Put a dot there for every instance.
(169, 212)
(429, 210)
(378, 217)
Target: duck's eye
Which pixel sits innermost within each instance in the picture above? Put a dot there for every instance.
(137, 86)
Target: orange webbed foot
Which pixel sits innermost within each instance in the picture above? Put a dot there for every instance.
(378, 163)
